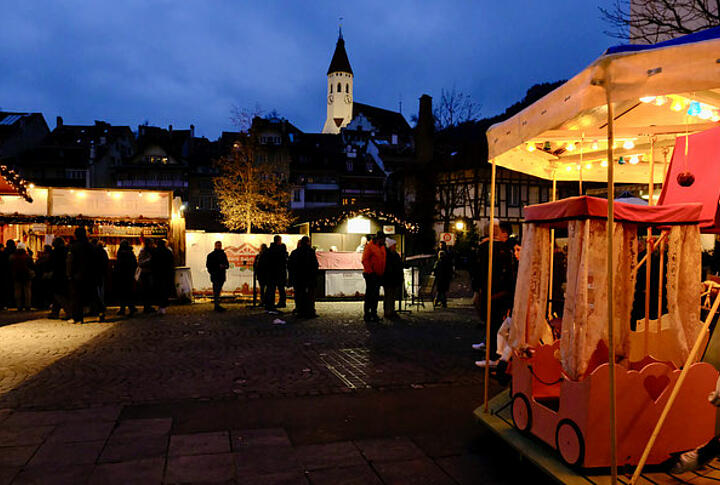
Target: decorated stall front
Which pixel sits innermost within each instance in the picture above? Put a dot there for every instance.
(635, 115)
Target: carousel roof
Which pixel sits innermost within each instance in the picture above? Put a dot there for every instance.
(658, 92)
(586, 207)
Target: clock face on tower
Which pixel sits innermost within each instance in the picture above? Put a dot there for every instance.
(330, 99)
(348, 98)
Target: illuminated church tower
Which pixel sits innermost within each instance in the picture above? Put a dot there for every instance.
(339, 89)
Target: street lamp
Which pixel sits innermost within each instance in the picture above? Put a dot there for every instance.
(460, 225)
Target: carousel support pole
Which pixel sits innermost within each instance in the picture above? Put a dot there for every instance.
(649, 248)
(552, 258)
(676, 390)
(611, 277)
(660, 279)
(488, 300)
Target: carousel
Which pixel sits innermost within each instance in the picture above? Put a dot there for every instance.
(595, 386)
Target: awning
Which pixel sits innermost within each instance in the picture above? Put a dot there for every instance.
(586, 207)
(653, 88)
(703, 162)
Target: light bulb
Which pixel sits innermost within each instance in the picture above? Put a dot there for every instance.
(705, 114)
(628, 145)
(568, 168)
(634, 160)
(677, 105)
(694, 109)
(604, 163)
(647, 99)
(588, 166)
(660, 100)
(531, 147)
(570, 146)
(595, 145)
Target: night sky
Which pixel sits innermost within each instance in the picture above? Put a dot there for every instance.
(184, 62)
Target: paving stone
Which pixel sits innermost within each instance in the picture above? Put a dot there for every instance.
(266, 459)
(329, 455)
(389, 449)
(73, 432)
(11, 456)
(251, 438)
(199, 444)
(57, 454)
(7, 474)
(126, 449)
(354, 475)
(468, 469)
(421, 471)
(441, 444)
(133, 428)
(56, 475)
(149, 470)
(24, 436)
(200, 468)
(20, 419)
(281, 478)
(4, 414)
(99, 413)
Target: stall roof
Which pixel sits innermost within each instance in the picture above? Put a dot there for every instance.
(703, 162)
(586, 207)
(667, 76)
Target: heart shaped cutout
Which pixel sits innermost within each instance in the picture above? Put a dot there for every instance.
(655, 385)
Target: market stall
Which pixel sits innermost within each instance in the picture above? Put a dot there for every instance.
(620, 120)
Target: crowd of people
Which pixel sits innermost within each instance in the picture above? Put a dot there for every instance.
(70, 278)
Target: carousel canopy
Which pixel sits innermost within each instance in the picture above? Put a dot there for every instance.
(700, 165)
(657, 91)
(585, 207)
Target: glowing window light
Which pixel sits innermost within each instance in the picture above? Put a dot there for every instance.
(634, 160)
(358, 225)
(531, 147)
(647, 99)
(694, 109)
(628, 145)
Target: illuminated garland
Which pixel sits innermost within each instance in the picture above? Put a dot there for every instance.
(77, 221)
(332, 222)
(15, 181)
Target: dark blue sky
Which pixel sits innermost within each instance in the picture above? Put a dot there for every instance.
(183, 62)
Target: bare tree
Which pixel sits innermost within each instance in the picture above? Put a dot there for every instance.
(652, 21)
(252, 194)
(455, 107)
(449, 197)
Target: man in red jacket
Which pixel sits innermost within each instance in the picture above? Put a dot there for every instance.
(373, 260)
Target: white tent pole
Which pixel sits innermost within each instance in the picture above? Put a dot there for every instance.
(488, 300)
(552, 255)
(649, 247)
(611, 275)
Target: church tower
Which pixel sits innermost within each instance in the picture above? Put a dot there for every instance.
(339, 89)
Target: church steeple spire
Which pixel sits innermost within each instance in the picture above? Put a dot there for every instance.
(340, 61)
(339, 88)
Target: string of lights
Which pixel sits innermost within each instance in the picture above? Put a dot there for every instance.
(380, 216)
(78, 221)
(16, 182)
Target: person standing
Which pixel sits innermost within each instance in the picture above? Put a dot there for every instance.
(502, 285)
(59, 279)
(277, 257)
(443, 276)
(43, 274)
(260, 271)
(373, 261)
(100, 269)
(124, 278)
(392, 279)
(7, 298)
(163, 268)
(79, 263)
(21, 269)
(303, 268)
(145, 263)
(217, 264)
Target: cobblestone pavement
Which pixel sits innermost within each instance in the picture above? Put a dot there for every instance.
(194, 353)
(195, 396)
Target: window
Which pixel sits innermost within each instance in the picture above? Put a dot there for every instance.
(347, 88)
(339, 88)
(157, 160)
(75, 174)
(513, 195)
(349, 165)
(297, 195)
(331, 88)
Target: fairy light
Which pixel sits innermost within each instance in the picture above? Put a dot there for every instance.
(588, 166)
(634, 160)
(595, 145)
(568, 168)
(604, 163)
(570, 146)
(628, 145)
(531, 147)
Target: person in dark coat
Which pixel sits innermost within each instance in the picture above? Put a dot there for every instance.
(146, 275)
(124, 278)
(59, 279)
(392, 279)
(101, 262)
(443, 271)
(7, 290)
(163, 269)
(260, 272)
(80, 272)
(22, 271)
(277, 257)
(303, 268)
(217, 264)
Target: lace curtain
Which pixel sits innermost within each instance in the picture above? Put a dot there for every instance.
(585, 314)
(531, 289)
(683, 285)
